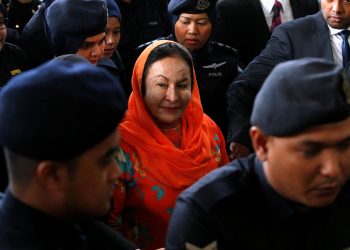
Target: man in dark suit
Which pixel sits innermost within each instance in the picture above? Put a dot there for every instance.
(243, 25)
(312, 36)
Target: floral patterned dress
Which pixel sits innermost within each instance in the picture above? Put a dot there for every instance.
(142, 205)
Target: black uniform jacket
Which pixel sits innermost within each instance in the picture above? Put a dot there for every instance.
(234, 207)
(12, 62)
(23, 227)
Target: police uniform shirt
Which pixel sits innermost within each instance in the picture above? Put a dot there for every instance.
(12, 62)
(115, 66)
(20, 13)
(234, 207)
(23, 227)
(216, 67)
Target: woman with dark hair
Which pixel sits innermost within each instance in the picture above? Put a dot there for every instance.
(167, 143)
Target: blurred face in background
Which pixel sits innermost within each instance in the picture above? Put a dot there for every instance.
(3, 31)
(112, 36)
(193, 30)
(93, 48)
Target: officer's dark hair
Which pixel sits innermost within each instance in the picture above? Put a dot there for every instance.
(162, 51)
(21, 169)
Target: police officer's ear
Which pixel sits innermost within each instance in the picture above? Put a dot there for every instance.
(51, 175)
(259, 142)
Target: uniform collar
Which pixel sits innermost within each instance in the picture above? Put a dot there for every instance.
(279, 208)
(334, 31)
(195, 53)
(32, 224)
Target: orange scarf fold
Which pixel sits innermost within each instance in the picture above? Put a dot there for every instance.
(174, 167)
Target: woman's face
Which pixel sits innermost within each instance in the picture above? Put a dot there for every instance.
(168, 90)
(193, 30)
(112, 36)
(92, 48)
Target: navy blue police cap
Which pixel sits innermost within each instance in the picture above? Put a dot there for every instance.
(177, 7)
(73, 58)
(113, 9)
(68, 23)
(301, 94)
(59, 110)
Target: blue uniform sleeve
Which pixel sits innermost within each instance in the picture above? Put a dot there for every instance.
(190, 228)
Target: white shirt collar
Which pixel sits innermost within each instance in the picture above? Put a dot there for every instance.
(268, 4)
(333, 31)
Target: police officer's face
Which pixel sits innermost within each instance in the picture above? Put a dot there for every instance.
(168, 91)
(309, 168)
(193, 30)
(93, 48)
(3, 31)
(90, 187)
(336, 13)
(112, 36)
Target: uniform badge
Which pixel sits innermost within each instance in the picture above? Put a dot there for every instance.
(15, 72)
(346, 88)
(214, 65)
(210, 246)
(202, 4)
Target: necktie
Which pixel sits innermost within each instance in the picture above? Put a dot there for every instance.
(345, 46)
(276, 19)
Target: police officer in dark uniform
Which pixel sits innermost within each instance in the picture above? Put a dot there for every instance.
(216, 64)
(143, 21)
(20, 12)
(294, 194)
(112, 60)
(58, 125)
(12, 58)
(33, 39)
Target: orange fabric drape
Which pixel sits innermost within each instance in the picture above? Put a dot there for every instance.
(174, 167)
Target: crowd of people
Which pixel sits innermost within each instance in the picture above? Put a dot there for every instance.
(174, 124)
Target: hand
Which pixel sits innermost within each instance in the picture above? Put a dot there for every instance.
(237, 150)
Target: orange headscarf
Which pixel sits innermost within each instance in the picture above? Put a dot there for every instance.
(174, 167)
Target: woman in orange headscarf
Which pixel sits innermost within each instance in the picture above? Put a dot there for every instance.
(167, 144)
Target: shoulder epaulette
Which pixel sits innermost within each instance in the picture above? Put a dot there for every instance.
(224, 46)
(231, 179)
(144, 45)
(35, 5)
